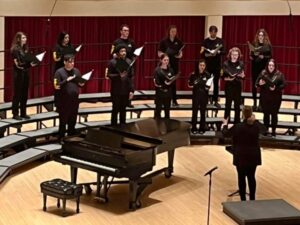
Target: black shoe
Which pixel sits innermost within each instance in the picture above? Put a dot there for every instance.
(259, 109)
(254, 108)
(130, 105)
(17, 117)
(26, 117)
(217, 105)
(273, 134)
(194, 131)
(175, 103)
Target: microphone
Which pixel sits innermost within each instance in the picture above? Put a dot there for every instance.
(210, 171)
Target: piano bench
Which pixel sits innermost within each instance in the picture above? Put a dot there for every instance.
(61, 189)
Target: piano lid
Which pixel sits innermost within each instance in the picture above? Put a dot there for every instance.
(149, 130)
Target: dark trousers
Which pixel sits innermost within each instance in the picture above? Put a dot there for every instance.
(21, 83)
(119, 103)
(173, 90)
(254, 89)
(71, 122)
(162, 102)
(274, 120)
(199, 102)
(233, 94)
(249, 172)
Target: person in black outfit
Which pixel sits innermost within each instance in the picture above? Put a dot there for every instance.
(212, 48)
(172, 46)
(67, 87)
(233, 73)
(259, 57)
(197, 81)
(121, 90)
(62, 47)
(271, 83)
(163, 78)
(21, 64)
(130, 45)
(246, 151)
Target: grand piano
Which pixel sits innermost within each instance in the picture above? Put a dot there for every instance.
(128, 151)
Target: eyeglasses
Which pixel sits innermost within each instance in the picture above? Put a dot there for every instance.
(125, 30)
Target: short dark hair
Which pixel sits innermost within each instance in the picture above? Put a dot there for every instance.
(119, 47)
(213, 28)
(124, 25)
(68, 57)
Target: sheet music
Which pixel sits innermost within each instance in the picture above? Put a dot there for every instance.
(87, 76)
(209, 81)
(252, 48)
(78, 48)
(40, 57)
(138, 51)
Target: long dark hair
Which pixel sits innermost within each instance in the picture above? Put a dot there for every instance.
(161, 58)
(266, 37)
(267, 66)
(172, 27)
(61, 37)
(16, 43)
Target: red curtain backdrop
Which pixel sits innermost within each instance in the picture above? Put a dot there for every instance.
(284, 36)
(97, 34)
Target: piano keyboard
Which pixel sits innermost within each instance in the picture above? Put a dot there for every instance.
(107, 168)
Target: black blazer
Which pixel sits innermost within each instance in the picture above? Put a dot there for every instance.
(245, 140)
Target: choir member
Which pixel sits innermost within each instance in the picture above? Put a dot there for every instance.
(62, 47)
(164, 76)
(130, 45)
(233, 73)
(271, 83)
(212, 48)
(67, 87)
(260, 53)
(22, 61)
(198, 81)
(172, 46)
(120, 73)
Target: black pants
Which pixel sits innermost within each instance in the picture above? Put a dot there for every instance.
(274, 120)
(162, 101)
(233, 94)
(199, 102)
(119, 103)
(173, 90)
(21, 83)
(71, 122)
(249, 172)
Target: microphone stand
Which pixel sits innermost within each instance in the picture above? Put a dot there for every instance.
(209, 190)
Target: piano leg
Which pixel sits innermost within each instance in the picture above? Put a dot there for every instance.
(134, 203)
(170, 169)
(74, 174)
(102, 187)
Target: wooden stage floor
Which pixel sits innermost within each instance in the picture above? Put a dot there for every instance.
(182, 199)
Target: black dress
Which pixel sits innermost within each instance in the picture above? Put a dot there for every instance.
(271, 100)
(200, 98)
(162, 91)
(233, 88)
